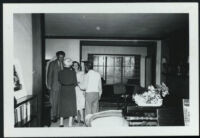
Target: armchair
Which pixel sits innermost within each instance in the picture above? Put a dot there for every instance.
(110, 118)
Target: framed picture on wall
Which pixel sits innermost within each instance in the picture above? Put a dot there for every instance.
(19, 87)
(16, 79)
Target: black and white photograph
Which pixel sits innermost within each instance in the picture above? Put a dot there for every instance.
(106, 69)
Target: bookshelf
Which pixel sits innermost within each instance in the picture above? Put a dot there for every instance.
(25, 110)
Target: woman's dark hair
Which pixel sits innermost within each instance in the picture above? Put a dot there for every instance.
(88, 66)
(75, 62)
(60, 53)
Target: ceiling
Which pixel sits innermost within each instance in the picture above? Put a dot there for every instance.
(114, 25)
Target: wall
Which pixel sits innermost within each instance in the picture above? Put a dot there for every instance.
(119, 50)
(23, 50)
(69, 46)
(37, 64)
(175, 48)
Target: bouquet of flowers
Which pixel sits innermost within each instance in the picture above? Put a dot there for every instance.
(152, 97)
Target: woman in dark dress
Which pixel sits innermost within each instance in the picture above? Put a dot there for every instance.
(68, 81)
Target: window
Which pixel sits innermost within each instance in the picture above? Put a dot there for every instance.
(117, 68)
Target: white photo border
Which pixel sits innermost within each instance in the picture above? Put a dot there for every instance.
(10, 9)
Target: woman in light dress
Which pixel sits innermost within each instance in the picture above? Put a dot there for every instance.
(80, 94)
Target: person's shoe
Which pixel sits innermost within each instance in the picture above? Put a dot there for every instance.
(76, 121)
(82, 122)
(61, 125)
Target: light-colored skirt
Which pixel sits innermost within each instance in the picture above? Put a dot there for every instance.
(80, 99)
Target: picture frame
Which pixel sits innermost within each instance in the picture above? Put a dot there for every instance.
(16, 80)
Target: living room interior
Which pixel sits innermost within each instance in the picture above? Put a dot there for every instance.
(130, 51)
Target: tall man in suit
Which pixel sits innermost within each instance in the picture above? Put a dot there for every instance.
(53, 84)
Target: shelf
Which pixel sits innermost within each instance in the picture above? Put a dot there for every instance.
(143, 123)
(130, 118)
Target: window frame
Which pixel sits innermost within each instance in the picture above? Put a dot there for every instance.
(91, 55)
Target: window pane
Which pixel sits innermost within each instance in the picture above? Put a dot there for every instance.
(109, 80)
(127, 61)
(132, 61)
(125, 71)
(131, 67)
(117, 79)
(110, 71)
(128, 71)
(118, 71)
(131, 71)
(101, 60)
(101, 71)
(118, 61)
(110, 61)
(95, 62)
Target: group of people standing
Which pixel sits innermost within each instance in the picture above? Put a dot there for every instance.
(74, 93)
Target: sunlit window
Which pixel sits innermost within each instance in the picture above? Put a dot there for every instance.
(117, 68)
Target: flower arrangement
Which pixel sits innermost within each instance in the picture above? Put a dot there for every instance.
(153, 96)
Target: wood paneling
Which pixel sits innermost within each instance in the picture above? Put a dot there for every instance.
(170, 117)
(175, 49)
(37, 62)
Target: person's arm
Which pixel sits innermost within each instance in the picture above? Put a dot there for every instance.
(49, 75)
(75, 79)
(84, 84)
(100, 87)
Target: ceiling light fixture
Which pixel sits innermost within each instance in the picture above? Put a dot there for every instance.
(98, 28)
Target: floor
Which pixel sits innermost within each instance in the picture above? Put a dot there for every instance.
(103, 106)
(56, 124)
